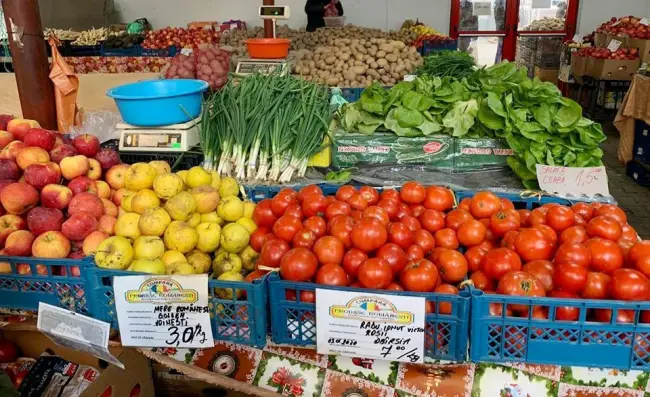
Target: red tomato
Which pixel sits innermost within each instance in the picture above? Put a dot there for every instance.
(403, 210)
(417, 210)
(452, 266)
(375, 273)
(390, 206)
(500, 261)
(425, 240)
(286, 227)
(370, 194)
(394, 255)
(465, 204)
(606, 255)
(329, 249)
(337, 208)
(643, 265)
(294, 210)
(432, 220)
(484, 205)
(625, 245)
(446, 238)
(377, 213)
(445, 307)
(486, 245)
(538, 216)
(623, 317)
(520, 284)
(604, 227)
(390, 194)
(330, 200)
(597, 286)
(584, 210)
(412, 193)
(305, 238)
(272, 253)
(543, 270)
(314, 205)
(481, 281)
(352, 260)
(579, 221)
(414, 253)
(357, 202)
(356, 215)
(299, 264)
(574, 234)
(474, 257)
(639, 250)
(345, 192)
(457, 217)
(307, 296)
(531, 244)
(308, 190)
(421, 276)
(412, 223)
(281, 202)
(560, 218)
(565, 313)
(628, 232)
(316, 224)
(509, 239)
(394, 287)
(290, 192)
(257, 238)
(548, 232)
(368, 235)
(524, 218)
(263, 214)
(342, 230)
(433, 256)
(629, 285)
(471, 232)
(573, 253)
(438, 198)
(570, 277)
(504, 221)
(400, 234)
(331, 274)
(611, 211)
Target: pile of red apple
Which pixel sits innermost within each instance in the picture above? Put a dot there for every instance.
(629, 54)
(625, 26)
(54, 202)
(180, 37)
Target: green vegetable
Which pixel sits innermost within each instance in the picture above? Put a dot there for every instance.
(455, 64)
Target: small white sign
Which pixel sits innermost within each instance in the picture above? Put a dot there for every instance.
(186, 51)
(578, 38)
(376, 326)
(614, 45)
(482, 8)
(541, 4)
(163, 311)
(410, 77)
(644, 21)
(76, 331)
(587, 181)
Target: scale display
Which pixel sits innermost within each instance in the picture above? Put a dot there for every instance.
(158, 141)
(275, 12)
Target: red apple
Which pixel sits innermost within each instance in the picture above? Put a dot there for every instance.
(82, 184)
(88, 203)
(107, 224)
(4, 183)
(11, 150)
(75, 255)
(78, 226)
(55, 196)
(74, 166)
(60, 152)
(51, 245)
(18, 198)
(42, 174)
(31, 155)
(5, 138)
(4, 120)
(19, 127)
(116, 176)
(41, 138)
(41, 220)
(86, 144)
(9, 224)
(9, 169)
(107, 158)
(19, 243)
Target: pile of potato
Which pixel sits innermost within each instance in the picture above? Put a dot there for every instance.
(358, 62)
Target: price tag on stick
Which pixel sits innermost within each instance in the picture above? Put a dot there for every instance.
(587, 181)
(614, 45)
(384, 327)
(163, 311)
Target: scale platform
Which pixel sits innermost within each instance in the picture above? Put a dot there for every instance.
(264, 66)
(176, 138)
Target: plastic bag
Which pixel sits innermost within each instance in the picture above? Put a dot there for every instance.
(207, 63)
(66, 88)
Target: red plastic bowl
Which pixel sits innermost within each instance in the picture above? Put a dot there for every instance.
(268, 48)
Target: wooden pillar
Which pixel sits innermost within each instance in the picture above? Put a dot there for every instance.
(268, 24)
(28, 50)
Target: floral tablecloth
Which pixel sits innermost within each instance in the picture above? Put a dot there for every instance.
(302, 372)
(84, 65)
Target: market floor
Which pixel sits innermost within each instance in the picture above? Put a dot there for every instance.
(630, 196)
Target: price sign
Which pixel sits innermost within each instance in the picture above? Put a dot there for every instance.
(377, 326)
(614, 45)
(644, 21)
(410, 77)
(541, 4)
(163, 311)
(588, 181)
(482, 8)
(578, 38)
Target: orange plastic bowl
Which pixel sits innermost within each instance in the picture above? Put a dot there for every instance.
(268, 48)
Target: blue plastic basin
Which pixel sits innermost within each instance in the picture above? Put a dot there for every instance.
(159, 102)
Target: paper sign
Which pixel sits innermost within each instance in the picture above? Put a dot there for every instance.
(76, 331)
(482, 8)
(410, 77)
(614, 45)
(541, 4)
(377, 326)
(644, 21)
(578, 38)
(588, 181)
(163, 311)
(186, 51)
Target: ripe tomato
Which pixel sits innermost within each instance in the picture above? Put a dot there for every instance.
(604, 227)
(331, 274)
(342, 230)
(345, 192)
(446, 238)
(357, 202)
(420, 276)
(520, 284)
(570, 277)
(307, 296)
(611, 211)
(316, 224)
(298, 264)
(623, 317)
(486, 245)
(370, 194)
(574, 234)
(543, 270)
(432, 220)
(425, 240)
(286, 227)
(394, 255)
(509, 239)
(565, 313)
(481, 281)
(257, 238)
(578, 220)
(272, 253)
(452, 266)
(433, 256)
(471, 232)
(254, 275)
(330, 200)
(465, 204)
(412, 193)
(368, 235)
(606, 255)
(307, 190)
(289, 191)
(639, 250)
(597, 286)
(575, 253)
(538, 216)
(337, 208)
(560, 218)
(414, 253)
(281, 202)
(484, 205)
(394, 287)
(400, 234)
(625, 245)
(377, 213)
(628, 232)
(356, 215)
(474, 257)
(294, 210)
(504, 221)
(445, 307)
(584, 210)
(524, 218)
(329, 249)
(531, 244)
(305, 238)
(403, 210)
(390, 206)
(417, 210)
(488, 233)
(500, 261)
(352, 260)
(375, 273)
(263, 214)
(410, 222)
(548, 232)
(629, 285)
(438, 198)
(390, 194)
(643, 265)
(457, 217)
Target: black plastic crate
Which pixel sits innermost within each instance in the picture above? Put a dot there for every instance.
(165, 52)
(120, 52)
(69, 50)
(177, 161)
(639, 172)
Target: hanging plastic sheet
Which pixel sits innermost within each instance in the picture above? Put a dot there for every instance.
(66, 89)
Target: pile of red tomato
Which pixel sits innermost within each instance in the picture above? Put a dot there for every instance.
(412, 240)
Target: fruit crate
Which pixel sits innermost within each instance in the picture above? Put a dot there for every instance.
(294, 321)
(24, 282)
(639, 173)
(134, 51)
(587, 343)
(520, 200)
(429, 47)
(177, 161)
(69, 50)
(241, 320)
(165, 52)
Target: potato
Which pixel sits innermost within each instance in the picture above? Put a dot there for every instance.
(344, 56)
(382, 62)
(350, 75)
(399, 69)
(359, 69)
(386, 47)
(330, 60)
(358, 63)
(392, 58)
(332, 81)
(358, 56)
(385, 79)
(380, 54)
(374, 65)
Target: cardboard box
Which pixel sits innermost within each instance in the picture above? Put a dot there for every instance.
(602, 40)
(642, 45)
(579, 65)
(476, 154)
(612, 69)
(547, 75)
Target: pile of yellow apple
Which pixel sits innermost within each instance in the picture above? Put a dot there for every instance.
(189, 222)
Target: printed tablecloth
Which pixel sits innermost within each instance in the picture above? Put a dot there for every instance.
(84, 65)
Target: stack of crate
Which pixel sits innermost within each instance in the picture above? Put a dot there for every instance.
(639, 168)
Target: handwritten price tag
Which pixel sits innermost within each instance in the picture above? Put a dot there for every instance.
(375, 326)
(614, 45)
(163, 311)
(578, 38)
(588, 181)
(482, 8)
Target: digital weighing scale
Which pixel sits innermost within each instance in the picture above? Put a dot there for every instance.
(176, 138)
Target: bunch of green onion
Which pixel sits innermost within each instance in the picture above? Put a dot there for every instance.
(264, 127)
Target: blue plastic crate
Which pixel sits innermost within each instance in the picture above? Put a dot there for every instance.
(639, 173)
(259, 193)
(354, 94)
(241, 320)
(69, 50)
(294, 321)
(165, 52)
(120, 52)
(587, 343)
(642, 134)
(24, 282)
(520, 201)
(433, 46)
